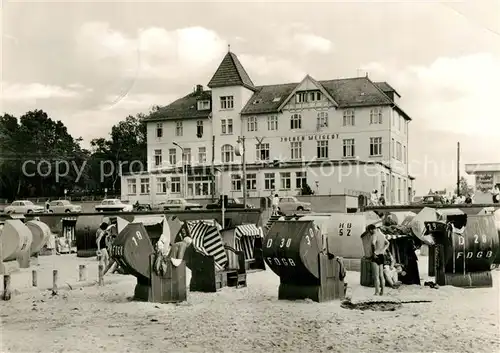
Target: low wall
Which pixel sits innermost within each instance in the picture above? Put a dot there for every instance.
(319, 203)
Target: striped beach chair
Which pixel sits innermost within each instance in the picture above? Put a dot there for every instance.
(208, 241)
(245, 235)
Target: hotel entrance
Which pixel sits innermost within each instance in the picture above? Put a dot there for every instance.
(199, 185)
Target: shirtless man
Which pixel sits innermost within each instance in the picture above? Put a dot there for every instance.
(379, 246)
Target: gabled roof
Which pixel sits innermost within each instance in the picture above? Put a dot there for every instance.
(317, 84)
(385, 87)
(231, 73)
(183, 108)
(347, 92)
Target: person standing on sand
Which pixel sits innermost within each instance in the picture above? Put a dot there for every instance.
(379, 246)
(102, 252)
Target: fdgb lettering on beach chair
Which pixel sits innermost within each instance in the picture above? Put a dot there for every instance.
(464, 253)
(134, 252)
(294, 250)
(209, 259)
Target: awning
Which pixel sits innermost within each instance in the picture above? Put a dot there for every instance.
(248, 230)
(210, 222)
(207, 240)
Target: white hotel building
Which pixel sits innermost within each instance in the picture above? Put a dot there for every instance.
(337, 136)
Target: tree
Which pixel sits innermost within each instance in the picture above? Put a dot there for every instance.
(125, 151)
(465, 188)
(34, 147)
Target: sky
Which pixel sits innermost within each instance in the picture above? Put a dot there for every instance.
(90, 64)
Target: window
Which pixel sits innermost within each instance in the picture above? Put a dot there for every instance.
(227, 126)
(405, 192)
(296, 148)
(251, 181)
(144, 186)
(203, 105)
(159, 130)
(198, 185)
(314, 96)
(348, 118)
(399, 151)
(186, 155)
(322, 149)
(296, 121)
(393, 148)
(272, 122)
(375, 146)
(399, 190)
(175, 185)
(178, 128)
(199, 128)
(268, 181)
(322, 119)
(376, 116)
(404, 154)
(227, 152)
(300, 180)
(262, 152)
(227, 102)
(252, 123)
(285, 181)
(158, 159)
(172, 156)
(202, 154)
(348, 147)
(131, 186)
(301, 97)
(393, 189)
(161, 185)
(235, 182)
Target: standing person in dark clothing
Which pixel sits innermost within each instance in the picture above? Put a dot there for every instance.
(102, 250)
(379, 246)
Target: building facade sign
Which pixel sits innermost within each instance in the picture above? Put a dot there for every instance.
(484, 181)
(315, 137)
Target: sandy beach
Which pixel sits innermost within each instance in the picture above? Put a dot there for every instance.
(84, 317)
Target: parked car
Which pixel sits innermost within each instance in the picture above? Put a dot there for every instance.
(432, 200)
(179, 204)
(23, 206)
(63, 206)
(231, 203)
(290, 204)
(113, 205)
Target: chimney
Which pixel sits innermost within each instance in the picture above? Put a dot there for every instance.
(199, 88)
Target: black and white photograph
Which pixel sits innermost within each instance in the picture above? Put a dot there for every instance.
(267, 176)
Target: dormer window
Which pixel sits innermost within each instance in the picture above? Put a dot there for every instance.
(307, 96)
(301, 97)
(204, 105)
(314, 96)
